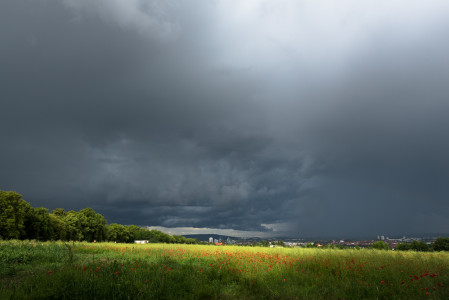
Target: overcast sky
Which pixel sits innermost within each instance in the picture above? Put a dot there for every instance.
(306, 118)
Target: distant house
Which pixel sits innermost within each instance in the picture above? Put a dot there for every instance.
(141, 241)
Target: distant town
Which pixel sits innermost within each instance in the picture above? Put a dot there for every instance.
(298, 242)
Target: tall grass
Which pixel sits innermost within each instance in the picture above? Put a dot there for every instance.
(26, 256)
(160, 271)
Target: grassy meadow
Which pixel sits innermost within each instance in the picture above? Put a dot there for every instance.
(54, 270)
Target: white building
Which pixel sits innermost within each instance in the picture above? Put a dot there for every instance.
(141, 241)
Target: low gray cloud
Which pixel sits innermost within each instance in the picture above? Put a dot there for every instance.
(318, 118)
(148, 17)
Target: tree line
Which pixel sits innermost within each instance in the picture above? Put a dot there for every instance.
(19, 220)
(440, 244)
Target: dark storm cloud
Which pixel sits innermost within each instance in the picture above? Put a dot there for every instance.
(321, 119)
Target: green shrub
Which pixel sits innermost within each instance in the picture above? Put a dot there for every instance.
(441, 244)
(380, 246)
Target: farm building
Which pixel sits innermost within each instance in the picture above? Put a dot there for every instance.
(141, 241)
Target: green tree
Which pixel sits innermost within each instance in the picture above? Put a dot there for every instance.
(59, 212)
(31, 224)
(12, 215)
(192, 241)
(93, 225)
(73, 226)
(59, 228)
(39, 225)
(118, 233)
(415, 246)
(380, 246)
(419, 246)
(163, 237)
(179, 239)
(441, 244)
(157, 236)
(134, 233)
(144, 234)
(403, 246)
(265, 243)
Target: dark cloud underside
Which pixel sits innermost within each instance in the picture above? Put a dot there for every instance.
(322, 118)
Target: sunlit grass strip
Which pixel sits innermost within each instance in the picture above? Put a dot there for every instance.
(117, 271)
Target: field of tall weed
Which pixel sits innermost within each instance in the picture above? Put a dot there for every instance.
(55, 270)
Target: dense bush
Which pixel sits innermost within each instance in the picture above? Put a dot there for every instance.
(380, 246)
(441, 244)
(415, 246)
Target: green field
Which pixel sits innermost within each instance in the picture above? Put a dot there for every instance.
(54, 270)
